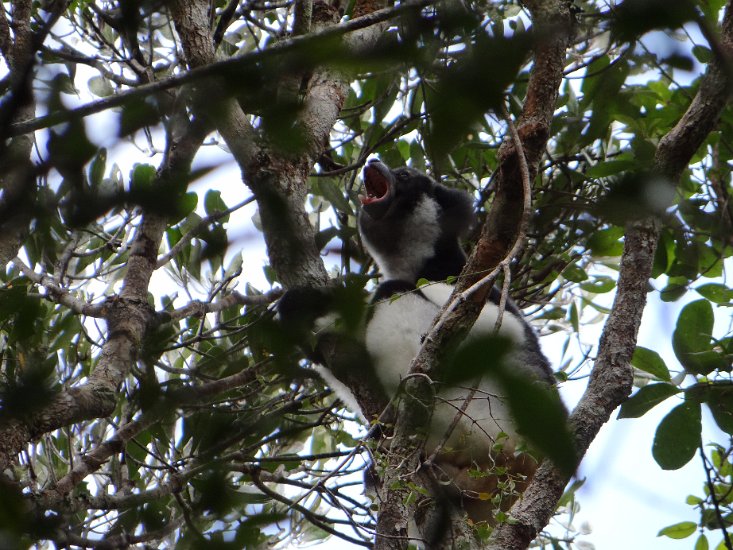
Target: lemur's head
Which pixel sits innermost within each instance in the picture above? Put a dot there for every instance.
(392, 192)
(411, 225)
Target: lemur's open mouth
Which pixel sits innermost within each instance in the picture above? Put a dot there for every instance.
(376, 184)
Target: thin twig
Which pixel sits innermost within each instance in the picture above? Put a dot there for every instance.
(58, 294)
(198, 308)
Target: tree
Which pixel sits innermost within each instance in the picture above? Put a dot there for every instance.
(147, 394)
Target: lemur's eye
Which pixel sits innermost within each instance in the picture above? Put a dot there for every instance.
(402, 175)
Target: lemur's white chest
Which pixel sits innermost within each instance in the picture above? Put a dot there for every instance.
(393, 338)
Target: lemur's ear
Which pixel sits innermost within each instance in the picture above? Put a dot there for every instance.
(457, 206)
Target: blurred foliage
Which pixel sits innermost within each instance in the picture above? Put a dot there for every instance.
(247, 466)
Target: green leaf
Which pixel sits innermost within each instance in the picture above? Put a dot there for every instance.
(600, 284)
(329, 190)
(679, 61)
(606, 242)
(692, 338)
(137, 113)
(142, 177)
(702, 543)
(479, 90)
(541, 418)
(468, 363)
(680, 530)
(187, 204)
(404, 148)
(720, 402)
(646, 398)
(97, 168)
(635, 195)
(715, 292)
(574, 317)
(703, 54)
(604, 96)
(636, 17)
(21, 313)
(664, 255)
(678, 437)
(675, 289)
(100, 86)
(214, 204)
(650, 361)
(711, 8)
(574, 273)
(270, 274)
(65, 84)
(610, 168)
(569, 494)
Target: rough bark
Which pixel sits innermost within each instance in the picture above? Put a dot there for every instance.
(612, 376)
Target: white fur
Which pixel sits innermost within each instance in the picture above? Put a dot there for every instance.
(404, 265)
(326, 323)
(329, 323)
(393, 338)
(511, 327)
(340, 389)
(394, 334)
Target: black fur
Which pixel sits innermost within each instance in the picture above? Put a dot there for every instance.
(389, 288)
(385, 224)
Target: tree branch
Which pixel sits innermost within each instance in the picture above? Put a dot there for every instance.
(16, 175)
(58, 294)
(94, 460)
(91, 462)
(198, 308)
(122, 540)
(6, 41)
(255, 474)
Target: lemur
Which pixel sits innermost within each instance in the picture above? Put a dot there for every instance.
(412, 226)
